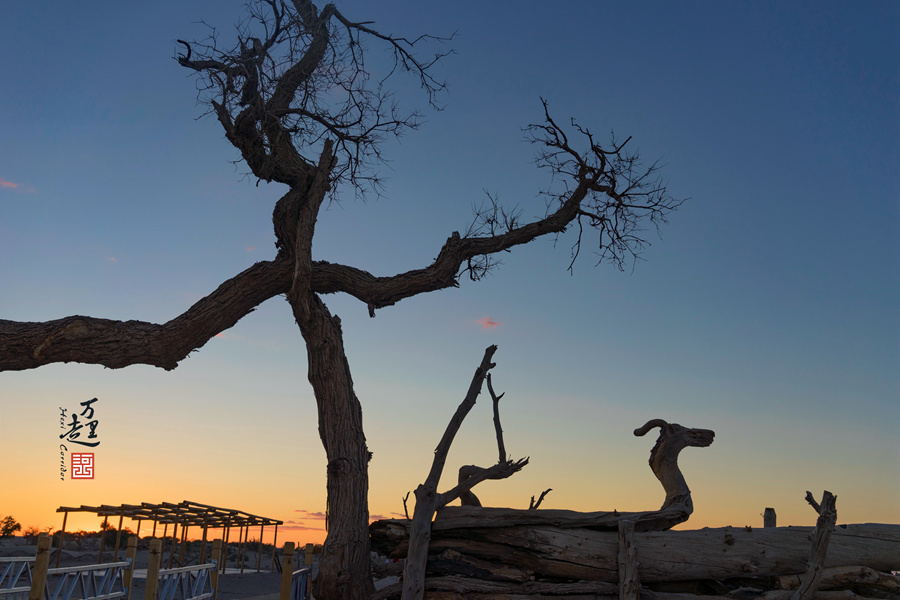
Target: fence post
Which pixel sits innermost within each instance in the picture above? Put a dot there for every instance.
(287, 571)
(41, 564)
(128, 575)
(769, 517)
(153, 569)
(308, 559)
(629, 578)
(214, 574)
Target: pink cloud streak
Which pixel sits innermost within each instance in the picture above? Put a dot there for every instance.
(488, 323)
(18, 187)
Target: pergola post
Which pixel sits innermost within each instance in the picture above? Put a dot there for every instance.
(181, 552)
(203, 543)
(274, 547)
(102, 539)
(174, 541)
(225, 555)
(259, 549)
(62, 533)
(244, 544)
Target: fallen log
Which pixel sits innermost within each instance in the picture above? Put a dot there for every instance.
(467, 517)
(855, 578)
(720, 553)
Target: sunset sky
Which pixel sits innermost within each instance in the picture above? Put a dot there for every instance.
(767, 311)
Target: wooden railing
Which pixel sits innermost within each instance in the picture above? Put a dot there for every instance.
(32, 579)
(295, 582)
(12, 585)
(184, 583)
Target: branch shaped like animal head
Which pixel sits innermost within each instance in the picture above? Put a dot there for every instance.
(673, 438)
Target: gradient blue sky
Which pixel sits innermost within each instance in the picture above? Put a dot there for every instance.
(767, 312)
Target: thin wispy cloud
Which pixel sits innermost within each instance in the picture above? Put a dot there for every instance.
(113, 259)
(251, 248)
(305, 514)
(488, 323)
(12, 185)
(289, 526)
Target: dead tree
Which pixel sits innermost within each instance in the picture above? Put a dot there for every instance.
(827, 512)
(428, 500)
(294, 95)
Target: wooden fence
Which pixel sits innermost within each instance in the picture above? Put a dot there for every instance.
(15, 577)
(31, 578)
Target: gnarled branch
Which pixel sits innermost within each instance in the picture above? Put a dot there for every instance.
(428, 500)
(673, 438)
(117, 344)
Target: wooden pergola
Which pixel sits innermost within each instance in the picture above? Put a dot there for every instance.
(185, 514)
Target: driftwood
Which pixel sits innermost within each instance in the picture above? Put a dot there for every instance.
(461, 588)
(629, 577)
(861, 579)
(673, 438)
(427, 497)
(536, 505)
(463, 517)
(721, 553)
(819, 550)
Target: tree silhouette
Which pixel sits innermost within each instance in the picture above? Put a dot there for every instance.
(9, 526)
(296, 97)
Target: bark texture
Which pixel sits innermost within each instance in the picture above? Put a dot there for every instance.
(664, 556)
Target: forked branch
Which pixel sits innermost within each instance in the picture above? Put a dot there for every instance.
(428, 500)
(298, 74)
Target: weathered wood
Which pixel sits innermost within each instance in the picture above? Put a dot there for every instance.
(833, 595)
(427, 497)
(720, 553)
(287, 571)
(536, 505)
(102, 540)
(629, 578)
(769, 518)
(153, 563)
(673, 438)
(818, 552)
(450, 562)
(848, 577)
(451, 587)
(130, 554)
(62, 534)
(467, 517)
(41, 566)
(219, 556)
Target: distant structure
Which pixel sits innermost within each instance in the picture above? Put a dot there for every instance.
(185, 514)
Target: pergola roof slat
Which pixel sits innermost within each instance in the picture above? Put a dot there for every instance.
(184, 513)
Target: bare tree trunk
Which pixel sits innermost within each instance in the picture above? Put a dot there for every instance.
(344, 570)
